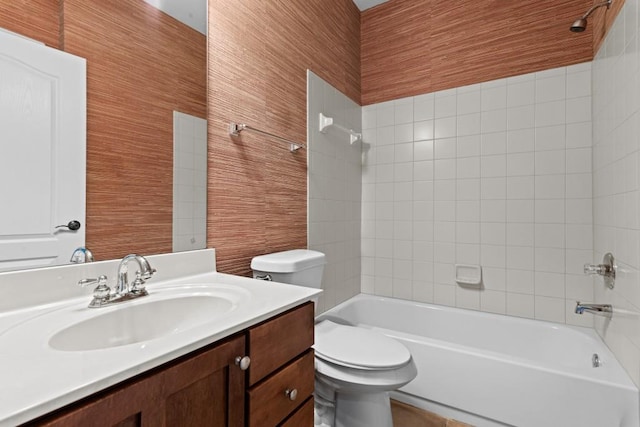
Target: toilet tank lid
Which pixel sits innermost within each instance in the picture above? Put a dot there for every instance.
(288, 261)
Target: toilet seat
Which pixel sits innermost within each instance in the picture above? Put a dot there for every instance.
(357, 360)
(358, 348)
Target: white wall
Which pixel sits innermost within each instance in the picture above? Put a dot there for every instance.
(496, 174)
(616, 122)
(334, 191)
(189, 182)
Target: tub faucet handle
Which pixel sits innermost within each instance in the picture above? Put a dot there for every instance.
(607, 270)
(593, 269)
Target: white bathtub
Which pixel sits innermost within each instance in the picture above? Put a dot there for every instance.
(494, 370)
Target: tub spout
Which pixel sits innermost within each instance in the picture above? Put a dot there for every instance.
(600, 309)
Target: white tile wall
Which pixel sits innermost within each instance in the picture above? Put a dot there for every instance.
(335, 187)
(496, 174)
(616, 121)
(189, 182)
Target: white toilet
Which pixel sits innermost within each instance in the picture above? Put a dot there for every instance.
(355, 367)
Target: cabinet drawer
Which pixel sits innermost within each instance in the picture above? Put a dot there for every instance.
(302, 417)
(268, 402)
(276, 342)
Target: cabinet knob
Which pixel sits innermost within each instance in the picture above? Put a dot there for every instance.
(243, 362)
(291, 393)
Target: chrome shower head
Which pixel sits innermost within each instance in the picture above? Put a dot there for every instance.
(579, 25)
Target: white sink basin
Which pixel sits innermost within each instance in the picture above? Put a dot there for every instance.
(168, 311)
(133, 323)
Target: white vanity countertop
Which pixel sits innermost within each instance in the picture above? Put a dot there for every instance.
(37, 379)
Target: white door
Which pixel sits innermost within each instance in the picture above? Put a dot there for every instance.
(42, 153)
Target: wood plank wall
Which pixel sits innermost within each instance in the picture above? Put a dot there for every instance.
(410, 48)
(37, 19)
(141, 65)
(259, 52)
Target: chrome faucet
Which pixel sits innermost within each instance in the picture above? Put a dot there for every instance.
(142, 275)
(124, 290)
(81, 255)
(600, 309)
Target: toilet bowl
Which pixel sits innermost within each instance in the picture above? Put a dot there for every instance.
(355, 367)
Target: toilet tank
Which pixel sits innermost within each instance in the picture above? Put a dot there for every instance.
(302, 267)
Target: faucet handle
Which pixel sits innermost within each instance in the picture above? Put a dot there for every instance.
(100, 281)
(137, 287)
(101, 293)
(147, 274)
(607, 269)
(593, 269)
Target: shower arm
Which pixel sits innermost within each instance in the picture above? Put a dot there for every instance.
(596, 6)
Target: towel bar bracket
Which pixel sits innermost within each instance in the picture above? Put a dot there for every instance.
(325, 122)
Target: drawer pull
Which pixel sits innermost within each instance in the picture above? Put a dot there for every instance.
(291, 394)
(243, 362)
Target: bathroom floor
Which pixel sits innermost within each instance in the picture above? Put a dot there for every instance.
(409, 416)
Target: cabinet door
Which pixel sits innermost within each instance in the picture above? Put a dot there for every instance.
(202, 389)
(122, 407)
(205, 390)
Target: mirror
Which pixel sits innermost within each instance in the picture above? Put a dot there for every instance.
(146, 84)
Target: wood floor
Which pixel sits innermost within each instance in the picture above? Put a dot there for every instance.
(409, 416)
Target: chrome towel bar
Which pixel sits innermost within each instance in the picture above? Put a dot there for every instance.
(236, 128)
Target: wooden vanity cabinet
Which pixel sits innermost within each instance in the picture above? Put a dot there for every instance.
(207, 388)
(204, 388)
(281, 375)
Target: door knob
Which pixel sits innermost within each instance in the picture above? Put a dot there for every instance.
(72, 225)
